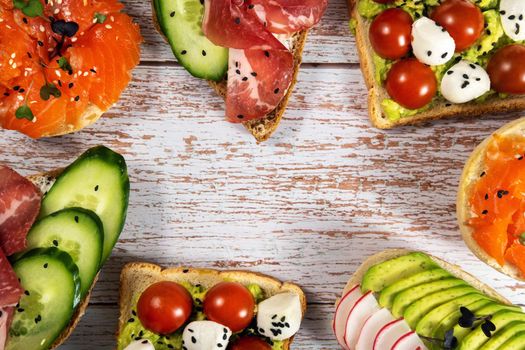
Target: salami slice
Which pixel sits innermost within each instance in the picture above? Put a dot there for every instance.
(288, 16)
(230, 23)
(6, 316)
(19, 207)
(257, 82)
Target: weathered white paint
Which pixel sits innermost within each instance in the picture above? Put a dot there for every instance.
(324, 193)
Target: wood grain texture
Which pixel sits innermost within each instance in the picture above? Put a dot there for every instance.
(309, 205)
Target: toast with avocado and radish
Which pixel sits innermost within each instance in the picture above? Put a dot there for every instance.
(80, 215)
(426, 60)
(249, 51)
(405, 300)
(490, 203)
(215, 309)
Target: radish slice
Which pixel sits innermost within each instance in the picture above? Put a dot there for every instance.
(372, 327)
(342, 311)
(409, 341)
(362, 310)
(390, 334)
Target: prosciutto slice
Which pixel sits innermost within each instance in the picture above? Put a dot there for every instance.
(10, 293)
(288, 16)
(6, 316)
(19, 207)
(230, 23)
(257, 82)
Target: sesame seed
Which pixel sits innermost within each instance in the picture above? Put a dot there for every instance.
(108, 26)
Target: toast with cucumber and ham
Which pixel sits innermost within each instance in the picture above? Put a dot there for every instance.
(249, 51)
(202, 309)
(56, 231)
(425, 60)
(409, 300)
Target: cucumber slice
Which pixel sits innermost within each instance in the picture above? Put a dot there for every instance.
(181, 22)
(52, 285)
(77, 232)
(97, 181)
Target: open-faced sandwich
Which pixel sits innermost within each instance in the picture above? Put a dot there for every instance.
(250, 51)
(201, 309)
(49, 267)
(432, 59)
(491, 200)
(63, 63)
(403, 300)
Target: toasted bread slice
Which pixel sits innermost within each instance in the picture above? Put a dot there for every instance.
(473, 168)
(440, 109)
(136, 277)
(455, 270)
(44, 182)
(263, 128)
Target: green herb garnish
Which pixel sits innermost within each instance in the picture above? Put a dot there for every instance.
(30, 8)
(101, 18)
(49, 90)
(64, 65)
(24, 112)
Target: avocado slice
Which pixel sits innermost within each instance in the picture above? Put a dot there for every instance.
(476, 338)
(451, 320)
(515, 343)
(506, 334)
(491, 309)
(417, 310)
(382, 275)
(428, 323)
(386, 298)
(409, 296)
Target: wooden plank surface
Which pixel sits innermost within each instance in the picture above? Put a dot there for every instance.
(309, 205)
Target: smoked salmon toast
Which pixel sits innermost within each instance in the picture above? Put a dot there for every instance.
(491, 200)
(63, 63)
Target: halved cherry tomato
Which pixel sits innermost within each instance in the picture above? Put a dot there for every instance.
(462, 19)
(250, 343)
(230, 304)
(411, 83)
(164, 307)
(506, 69)
(390, 33)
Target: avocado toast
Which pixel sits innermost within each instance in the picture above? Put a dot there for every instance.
(401, 298)
(473, 91)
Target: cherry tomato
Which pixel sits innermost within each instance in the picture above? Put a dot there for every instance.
(164, 307)
(411, 83)
(390, 33)
(462, 19)
(506, 69)
(230, 304)
(250, 343)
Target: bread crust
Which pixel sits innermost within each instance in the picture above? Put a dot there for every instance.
(261, 129)
(455, 270)
(471, 172)
(137, 276)
(441, 109)
(43, 181)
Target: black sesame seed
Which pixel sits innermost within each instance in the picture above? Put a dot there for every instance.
(55, 243)
(240, 116)
(172, 14)
(76, 219)
(77, 98)
(444, 55)
(203, 52)
(276, 91)
(96, 188)
(429, 53)
(267, 53)
(245, 79)
(40, 43)
(183, 52)
(254, 74)
(237, 20)
(46, 265)
(70, 85)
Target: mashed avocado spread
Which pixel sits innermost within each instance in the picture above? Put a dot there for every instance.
(134, 330)
(490, 41)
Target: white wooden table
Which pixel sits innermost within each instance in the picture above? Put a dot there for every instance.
(309, 205)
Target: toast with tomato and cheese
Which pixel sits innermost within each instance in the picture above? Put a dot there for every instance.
(58, 229)
(490, 203)
(401, 299)
(425, 60)
(203, 309)
(249, 51)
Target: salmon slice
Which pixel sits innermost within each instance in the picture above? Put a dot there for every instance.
(498, 201)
